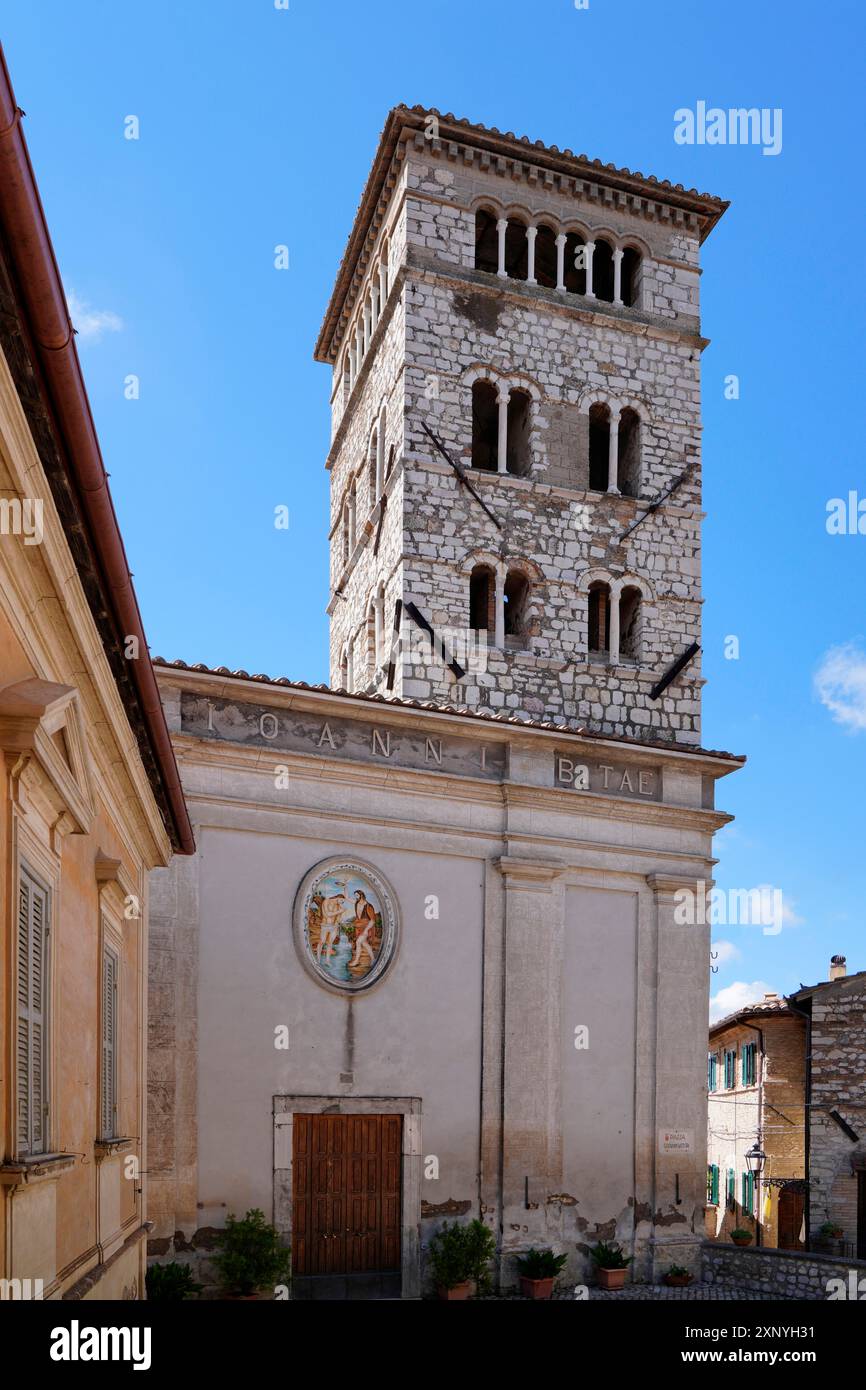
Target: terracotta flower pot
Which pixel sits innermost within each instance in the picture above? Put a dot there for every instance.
(457, 1292)
(612, 1278)
(742, 1240)
(677, 1281)
(536, 1288)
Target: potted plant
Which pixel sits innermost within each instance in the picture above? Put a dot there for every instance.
(538, 1269)
(677, 1277)
(831, 1231)
(170, 1283)
(611, 1264)
(459, 1255)
(250, 1257)
(741, 1236)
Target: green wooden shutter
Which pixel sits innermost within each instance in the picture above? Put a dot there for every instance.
(108, 1087)
(32, 1009)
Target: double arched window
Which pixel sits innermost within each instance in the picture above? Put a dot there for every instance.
(501, 428)
(500, 603)
(615, 620)
(614, 448)
(367, 317)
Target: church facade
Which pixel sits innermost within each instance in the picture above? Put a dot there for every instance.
(427, 961)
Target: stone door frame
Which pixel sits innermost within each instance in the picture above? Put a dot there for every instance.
(285, 1109)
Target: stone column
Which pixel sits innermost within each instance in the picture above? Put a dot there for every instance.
(613, 628)
(383, 285)
(502, 228)
(560, 261)
(532, 1051)
(589, 249)
(531, 234)
(502, 438)
(680, 1079)
(617, 276)
(613, 452)
(499, 611)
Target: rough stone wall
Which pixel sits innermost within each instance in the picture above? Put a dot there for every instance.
(838, 1083)
(785, 1273)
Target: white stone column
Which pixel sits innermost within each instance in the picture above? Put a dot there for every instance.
(613, 625)
(367, 326)
(531, 234)
(380, 457)
(617, 276)
(499, 610)
(501, 229)
(378, 619)
(589, 249)
(560, 261)
(502, 438)
(613, 452)
(374, 304)
(383, 285)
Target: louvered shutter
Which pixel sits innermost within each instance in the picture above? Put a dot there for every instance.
(32, 1005)
(108, 1089)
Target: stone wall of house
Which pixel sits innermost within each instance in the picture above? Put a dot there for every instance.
(838, 1084)
(785, 1273)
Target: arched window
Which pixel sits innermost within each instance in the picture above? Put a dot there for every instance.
(384, 274)
(602, 270)
(599, 618)
(344, 668)
(575, 263)
(518, 459)
(545, 257)
(380, 625)
(482, 599)
(485, 426)
(370, 633)
(599, 446)
(516, 250)
(517, 592)
(628, 453)
(486, 242)
(372, 451)
(630, 276)
(629, 623)
(345, 525)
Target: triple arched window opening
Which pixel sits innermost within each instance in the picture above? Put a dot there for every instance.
(539, 254)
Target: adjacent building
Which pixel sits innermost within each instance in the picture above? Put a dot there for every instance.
(90, 802)
(835, 1015)
(756, 1083)
(427, 960)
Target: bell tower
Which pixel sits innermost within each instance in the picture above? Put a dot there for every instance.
(515, 458)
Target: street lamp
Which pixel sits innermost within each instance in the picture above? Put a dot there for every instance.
(755, 1159)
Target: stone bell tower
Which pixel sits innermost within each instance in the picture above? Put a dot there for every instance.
(515, 456)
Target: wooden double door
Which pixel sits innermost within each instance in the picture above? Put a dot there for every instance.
(346, 1180)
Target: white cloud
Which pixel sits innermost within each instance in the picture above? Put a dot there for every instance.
(736, 996)
(91, 323)
(725, 951)
(840, 684)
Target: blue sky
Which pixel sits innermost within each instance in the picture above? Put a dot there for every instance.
(258, 126)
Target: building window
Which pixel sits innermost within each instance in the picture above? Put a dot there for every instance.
(599, 619)
(599, 447)
(32, 1020)
(516, 608)
(482, 599)
(516, 250)
(731, 1189)
(519, 424)
(713, 1184)
(712, 1072)
(486, 242)
(629, 623)
(602, 271)
(628, 453)
(630, 272)
(748, 1202)
(485, 426)
(749, 1064)
(575, 264)
(108, 1069)
(545, 257)
(730, 1069)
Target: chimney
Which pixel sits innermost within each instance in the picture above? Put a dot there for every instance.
(838, 969)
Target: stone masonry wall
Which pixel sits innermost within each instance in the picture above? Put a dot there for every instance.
(838, 1083)
(785, 1273)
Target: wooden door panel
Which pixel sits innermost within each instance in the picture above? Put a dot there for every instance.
(346, 1175)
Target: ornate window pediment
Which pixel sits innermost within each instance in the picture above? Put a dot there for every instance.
(41, 731)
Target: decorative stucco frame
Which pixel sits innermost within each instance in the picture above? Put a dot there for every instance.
(285, 1109)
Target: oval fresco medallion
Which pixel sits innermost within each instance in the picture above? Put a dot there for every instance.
(345, 924)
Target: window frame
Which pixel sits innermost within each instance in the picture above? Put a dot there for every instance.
(43, 885)
(111, 947)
